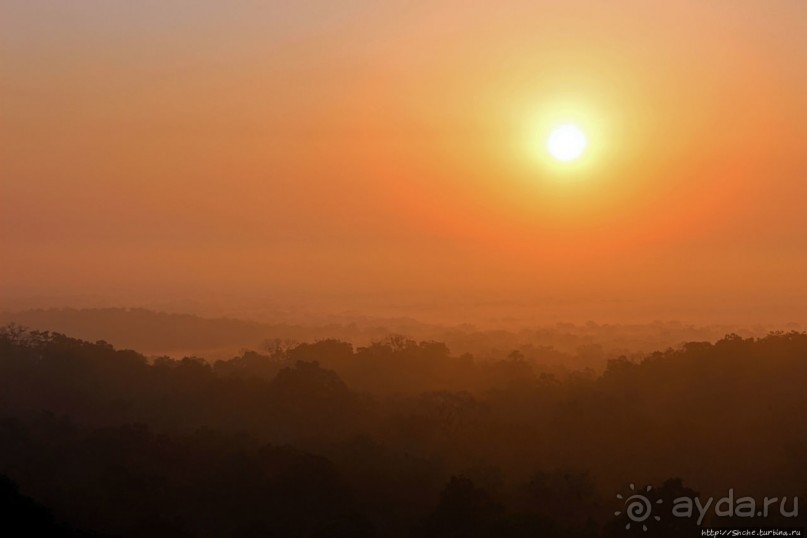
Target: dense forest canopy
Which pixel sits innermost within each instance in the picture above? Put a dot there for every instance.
(395, 438)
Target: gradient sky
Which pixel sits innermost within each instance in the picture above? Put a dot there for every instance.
(363, 155)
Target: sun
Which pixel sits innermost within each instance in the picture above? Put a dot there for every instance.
(566, 142)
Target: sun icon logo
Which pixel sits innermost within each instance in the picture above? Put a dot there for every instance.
(638, 507)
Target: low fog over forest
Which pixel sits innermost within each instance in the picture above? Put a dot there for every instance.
(394, 437)
(559, 344)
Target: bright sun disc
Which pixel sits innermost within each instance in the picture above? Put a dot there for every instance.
(566, 142)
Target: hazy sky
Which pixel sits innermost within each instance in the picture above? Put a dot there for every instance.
(363, 155)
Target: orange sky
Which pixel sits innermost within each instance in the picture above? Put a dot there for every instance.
(368, 155)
